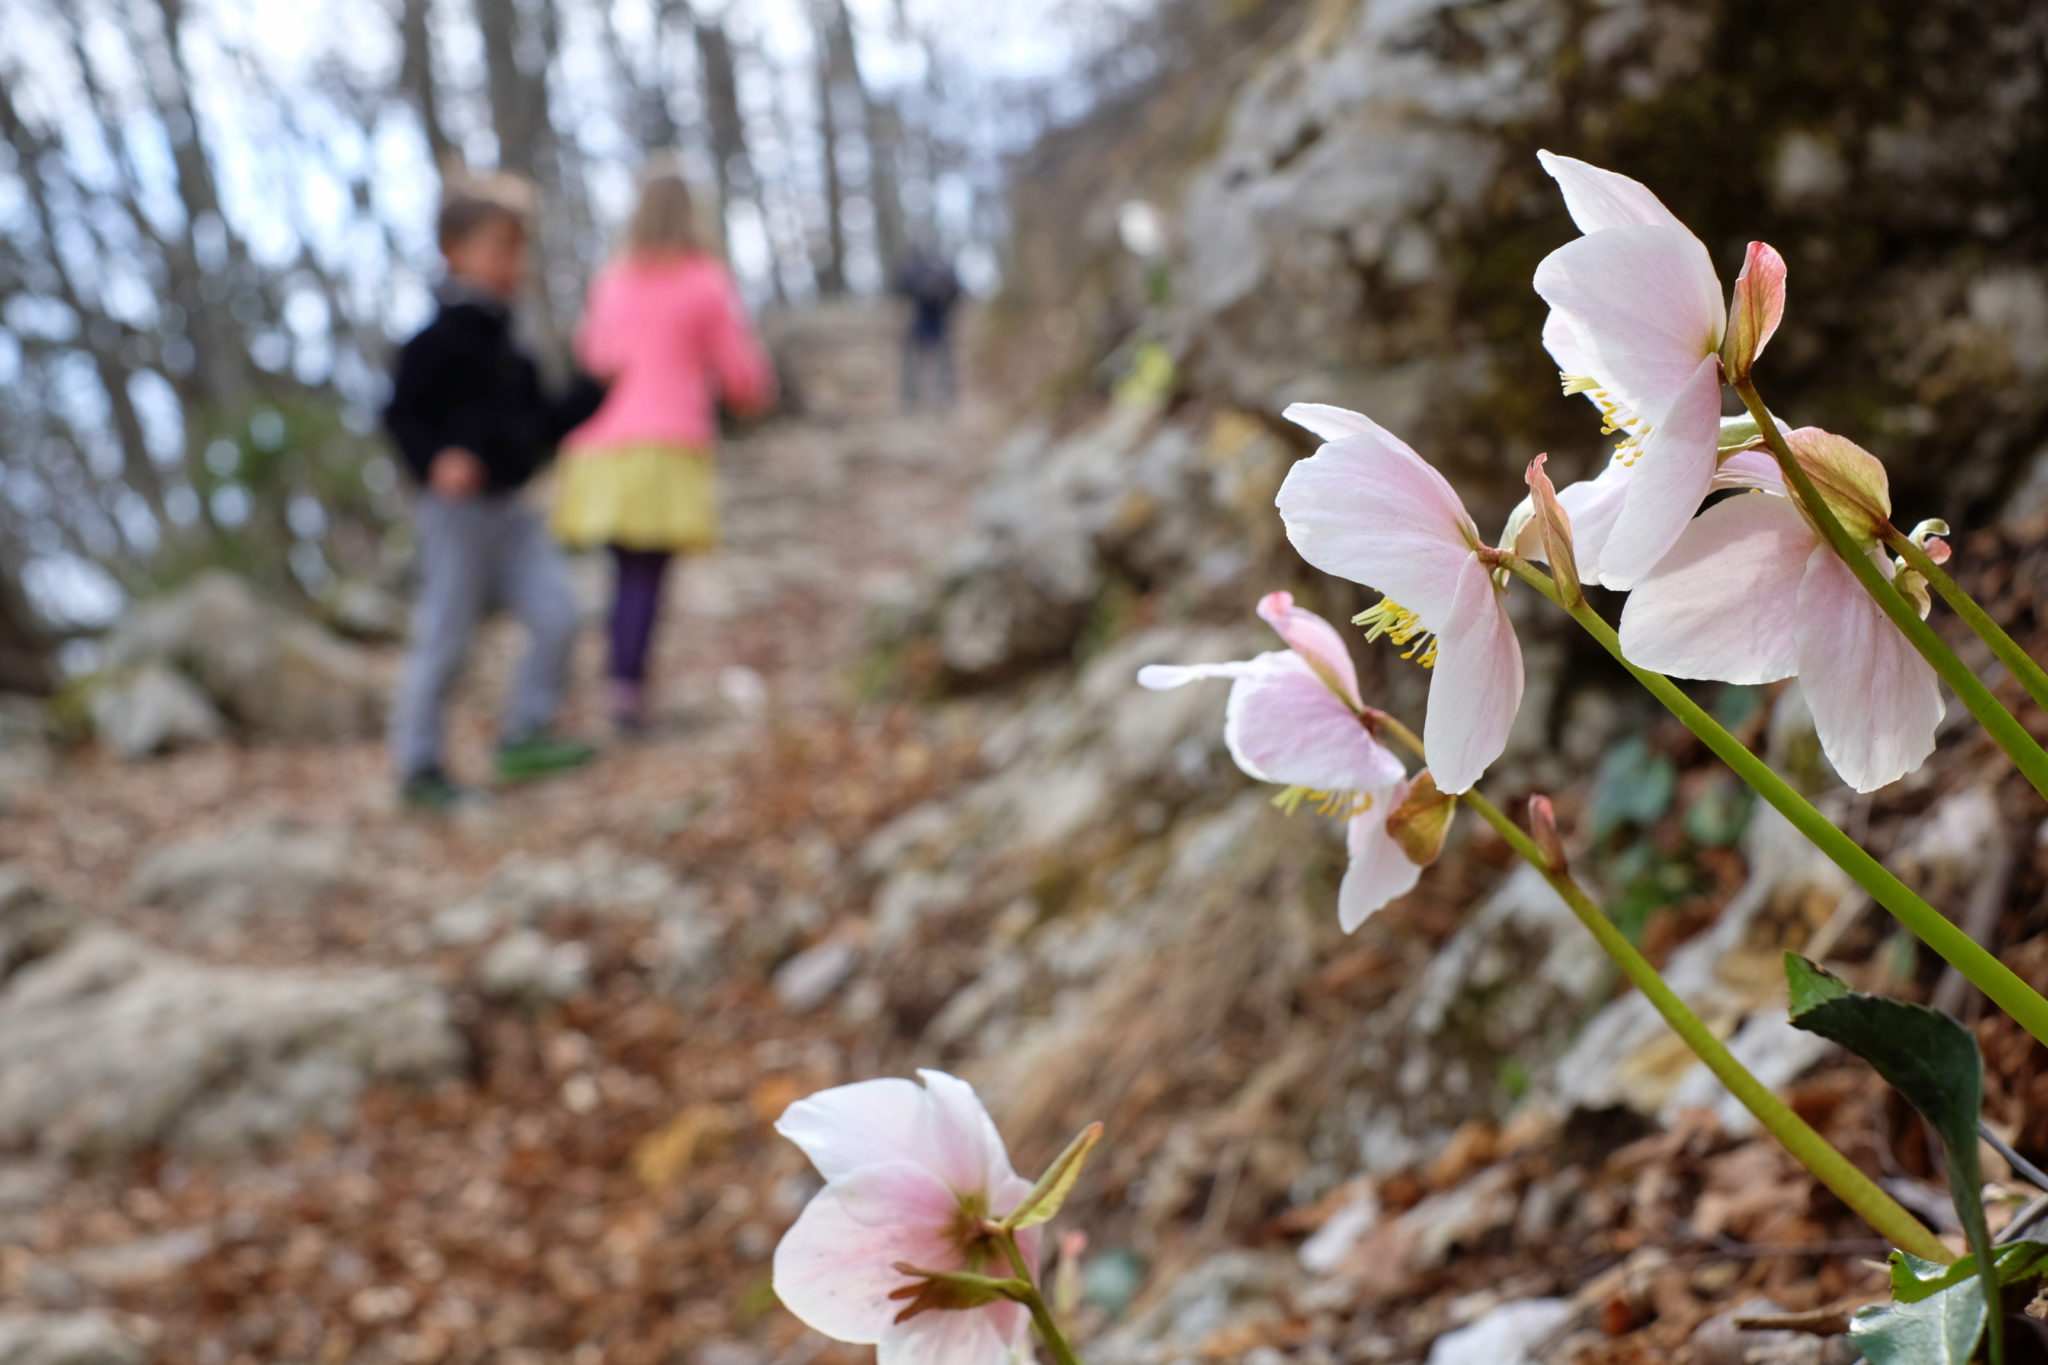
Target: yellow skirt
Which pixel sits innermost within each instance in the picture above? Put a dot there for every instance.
(646, 497)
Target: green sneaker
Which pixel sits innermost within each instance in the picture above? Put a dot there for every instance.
(539, 755)
(432, 792)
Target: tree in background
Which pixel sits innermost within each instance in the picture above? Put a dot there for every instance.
(214, 218)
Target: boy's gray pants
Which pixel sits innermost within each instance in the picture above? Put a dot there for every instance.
(476, 553)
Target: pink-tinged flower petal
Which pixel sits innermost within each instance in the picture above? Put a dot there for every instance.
(1672, 477)
(835, 1271)
(1756, 308)
(1750, 469)
(1283, 724)
(1165, 677)
(1332, 423)
(1379, 872)
(1644, 306)
(1369, 509)
(1875, 701)
(1315, 640)
(960, 1141)
(971, 1337)
(850, 1126)
(1476, 686)
(1563, 344)
(1722, 604)
(1598, 199)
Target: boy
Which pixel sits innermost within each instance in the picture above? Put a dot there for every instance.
(468, 415)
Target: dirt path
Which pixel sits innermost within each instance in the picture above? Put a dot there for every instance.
(603, 1185)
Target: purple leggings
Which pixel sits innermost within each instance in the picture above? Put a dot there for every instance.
(636, 606)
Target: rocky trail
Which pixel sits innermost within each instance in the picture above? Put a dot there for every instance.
(290, 1075)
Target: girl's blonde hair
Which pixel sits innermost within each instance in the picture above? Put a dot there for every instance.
(664, 221)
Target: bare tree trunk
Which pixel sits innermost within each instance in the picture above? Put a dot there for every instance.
(885, 133)
(519, 42)
(101, 344)
(825, 18)
(25, 648)
(420, 84)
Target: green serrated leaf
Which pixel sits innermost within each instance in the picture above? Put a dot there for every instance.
(1056, 1184)
(1931, 1060)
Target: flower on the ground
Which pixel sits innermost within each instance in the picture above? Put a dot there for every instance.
(1751, 593)
(1638, 325)
(1295, 717)
(913, 1173)
(1367, 508)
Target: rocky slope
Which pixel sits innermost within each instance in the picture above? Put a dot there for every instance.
(300, 1078)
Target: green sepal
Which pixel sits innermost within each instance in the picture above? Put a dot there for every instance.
(952, 1291)
(1422, 821)
(1056, 1184)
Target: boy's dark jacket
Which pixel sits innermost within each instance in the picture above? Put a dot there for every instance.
(465, 381)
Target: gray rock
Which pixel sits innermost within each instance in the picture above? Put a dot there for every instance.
(32, 922)
(530, 968)
(1232, 1289)
(808, 980)
(265, 867)
(151, 710)
(1512, 1334)
(598, 877)
(65, 1339)
(110, 1044)
(272, 673)
(364, 611)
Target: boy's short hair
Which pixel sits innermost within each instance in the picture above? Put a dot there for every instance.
(476, 203)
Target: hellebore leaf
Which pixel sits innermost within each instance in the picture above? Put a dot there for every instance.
(1942, 1329)
(1931, 1060)
(1914, 1279)
(1057, 1183)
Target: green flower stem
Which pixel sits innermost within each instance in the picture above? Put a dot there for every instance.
(1965, 954)
(1998, 722)
(1807, 1146)
(1041, 1315)
(2031, 675)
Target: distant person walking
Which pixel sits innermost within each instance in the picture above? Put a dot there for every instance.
(473, 424)
(666, 328)
(929, 283)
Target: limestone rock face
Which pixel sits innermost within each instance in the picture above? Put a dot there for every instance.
(1135, 499)
(1366, 231)
(273, 674)
(109, 1044)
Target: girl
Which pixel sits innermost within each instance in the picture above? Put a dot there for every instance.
(665, 328)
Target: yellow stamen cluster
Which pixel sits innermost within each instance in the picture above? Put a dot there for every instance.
(1342, 805)
(1632, 429)
(1403, 627)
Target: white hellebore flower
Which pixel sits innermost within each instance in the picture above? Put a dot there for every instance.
(1367, 508)
(1295, 717)
(1638, 325)
(1751, 593)
(911, 1174)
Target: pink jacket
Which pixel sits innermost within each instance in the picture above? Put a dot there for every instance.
(670, 337)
